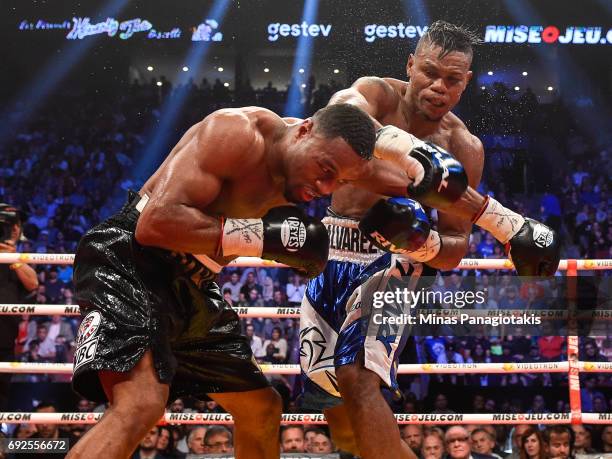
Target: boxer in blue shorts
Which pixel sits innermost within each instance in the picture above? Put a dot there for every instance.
(340, 358)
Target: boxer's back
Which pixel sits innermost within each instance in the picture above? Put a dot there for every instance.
(352, 201)
(248, 189)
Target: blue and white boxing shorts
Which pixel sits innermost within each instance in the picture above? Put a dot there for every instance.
(336, 326)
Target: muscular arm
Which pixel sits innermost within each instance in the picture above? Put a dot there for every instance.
(174, 218)
(455, 232)
(374, 96)
(27, 276)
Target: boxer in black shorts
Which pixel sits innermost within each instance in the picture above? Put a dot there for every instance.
(154, 321)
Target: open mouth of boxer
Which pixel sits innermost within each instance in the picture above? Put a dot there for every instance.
(435, 102)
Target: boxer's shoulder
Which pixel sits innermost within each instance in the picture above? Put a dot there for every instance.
(384, 90)
(466, 147)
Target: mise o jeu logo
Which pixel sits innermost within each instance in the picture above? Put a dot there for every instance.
(577, 35)
(293, 234)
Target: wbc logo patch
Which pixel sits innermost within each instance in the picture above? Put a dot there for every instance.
(87, 342)
(89, 327)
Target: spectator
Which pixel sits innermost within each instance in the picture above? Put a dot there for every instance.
(516, 444)
(606, 439)
(322, 444)
(441, 405)
(582, 439)
(588, 393)
(218, 439)
(483, 442)
(433, 444)
(487, 246)
(532, 444)
(538, 405)
(292, 439)
(46, 346)
(165, 442)
(59, 326)
(249, 284)
(309, 436)
(195, 440)
(53, 287)
(234, 285)
(457, 440)
(254, 299)
(25, 431)
(412, 434)
(255, 342)
(177, 406)
(551, 348)
(278, 345)
(295, 290)
(560, 440)
(16, 281)
(278, 300)
(147, 447)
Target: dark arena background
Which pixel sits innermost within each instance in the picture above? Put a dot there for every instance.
(95, 94)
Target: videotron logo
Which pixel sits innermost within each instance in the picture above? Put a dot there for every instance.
(577, 35)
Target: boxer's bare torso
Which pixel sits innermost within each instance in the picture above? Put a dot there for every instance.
(241, 169)
(238, 163)
(389, 96)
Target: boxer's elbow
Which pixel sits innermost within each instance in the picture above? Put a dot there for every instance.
(454, 247)
(152, 228)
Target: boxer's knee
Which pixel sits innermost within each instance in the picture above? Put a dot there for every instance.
(356, 381)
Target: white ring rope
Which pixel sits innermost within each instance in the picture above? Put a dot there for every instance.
(405, 369)
(305, 418)
(254, 262)
(291, 312)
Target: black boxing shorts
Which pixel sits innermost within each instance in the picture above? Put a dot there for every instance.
(134, 298)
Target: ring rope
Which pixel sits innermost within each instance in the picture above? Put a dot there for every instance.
(306, 418)
(254, 262)
(573, 366)
(406, 368)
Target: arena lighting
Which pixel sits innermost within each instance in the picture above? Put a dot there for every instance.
(550, 88)
(220, 69)
(266, 70)
(162, 131)
(592, 122)
(226, 84)
(517, 88)
(301, 62)
(159, 83)
(185, 69)
(416, 11)
(490, 72)
(483, 88)
(303, 85)
(525, 74)
(150, 68)
(336, 71)
(45, 81)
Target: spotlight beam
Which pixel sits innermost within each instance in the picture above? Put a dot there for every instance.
(303, 59)
(54, 72)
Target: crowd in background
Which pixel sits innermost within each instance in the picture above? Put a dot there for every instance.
(73, 164)
(519, 441)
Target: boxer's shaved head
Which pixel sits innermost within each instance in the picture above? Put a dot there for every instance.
(448, 38)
